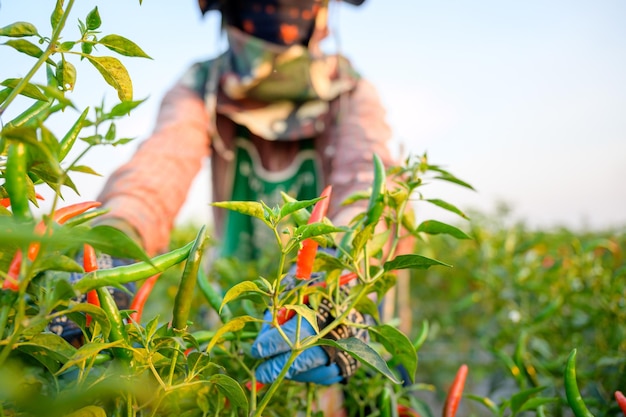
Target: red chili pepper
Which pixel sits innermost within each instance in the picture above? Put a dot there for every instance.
(455, 393)
(140, 298)
(404, 411)
(621, 401)
(306, 254)
(60, 216)
(90, 264)
(285, 314)
(6, 202)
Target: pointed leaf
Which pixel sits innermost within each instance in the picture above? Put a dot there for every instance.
(363, 353)
(412, 262)
(234, 325)
(447, 206)
(88, 411)
(84, 169)
(115, 242)
(231, 390)
(93, 20)
(123, 46)
(115, 74)
(317, 229)
(293, 206)
(307, 313)
(434, 227)
(24, 46)
(87, 351)
(398, 345)
(124, 108)
(238, 289)
(29, 90)
(18, 30)
(56, 15)
(249, 208)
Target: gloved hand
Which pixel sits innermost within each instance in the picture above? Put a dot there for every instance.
(69, 330)
(321, 365)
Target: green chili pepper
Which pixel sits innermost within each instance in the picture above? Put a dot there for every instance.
(16, 181)
(35, 112)
(376, 201)
(213, 297)
(70, 137)
(182, 301)
(572, 392)
(131, 273)
(118, 328)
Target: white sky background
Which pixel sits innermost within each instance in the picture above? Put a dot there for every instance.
(525, 100)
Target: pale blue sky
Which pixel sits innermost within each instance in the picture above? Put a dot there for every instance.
(526, 100)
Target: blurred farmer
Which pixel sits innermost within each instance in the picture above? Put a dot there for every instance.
(274, 114)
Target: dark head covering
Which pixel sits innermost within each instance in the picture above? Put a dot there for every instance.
(282, 22)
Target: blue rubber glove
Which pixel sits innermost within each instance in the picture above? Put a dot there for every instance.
(312, 365)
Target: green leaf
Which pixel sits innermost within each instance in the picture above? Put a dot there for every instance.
(534, 403)
(56, 15)
(398, 345)
(238, 289)
(447, 206)
(49, 349)
(18, 30)
(115, 74)
(56, 262)
(93, 20)
(123, 46)
(115, 242)
(124, 108)
(434, 227)
(307, 313)
(88, 411)
(24, 46)
(412, 262)
(378, 242)
(293, 206)
(234, 325)
(29, 90)
(317, 229)
(249, 208)
(520, 398)
(66, 46)
(84, 169)
(231, 390)
(86, 352)
(363, 353)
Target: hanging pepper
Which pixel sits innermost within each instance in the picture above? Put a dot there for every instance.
(455, 392)
(306, 254)
(90, 264)
(139, 300)
(621, 401)
(572, 393)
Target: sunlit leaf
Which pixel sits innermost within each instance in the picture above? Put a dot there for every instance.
(29, 90)
(49, 349)
(249, 208)
(235, 291)
(115, 74)
(123, 46)
(93, 20)
(234, 325)
(18, 30)
(307, 313)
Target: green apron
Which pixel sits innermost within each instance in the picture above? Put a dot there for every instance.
(246, 237)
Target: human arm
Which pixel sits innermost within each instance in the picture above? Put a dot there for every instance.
(145, 194)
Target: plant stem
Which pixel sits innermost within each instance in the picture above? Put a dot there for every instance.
(49, 51)
(4, 317)
(272, 389)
